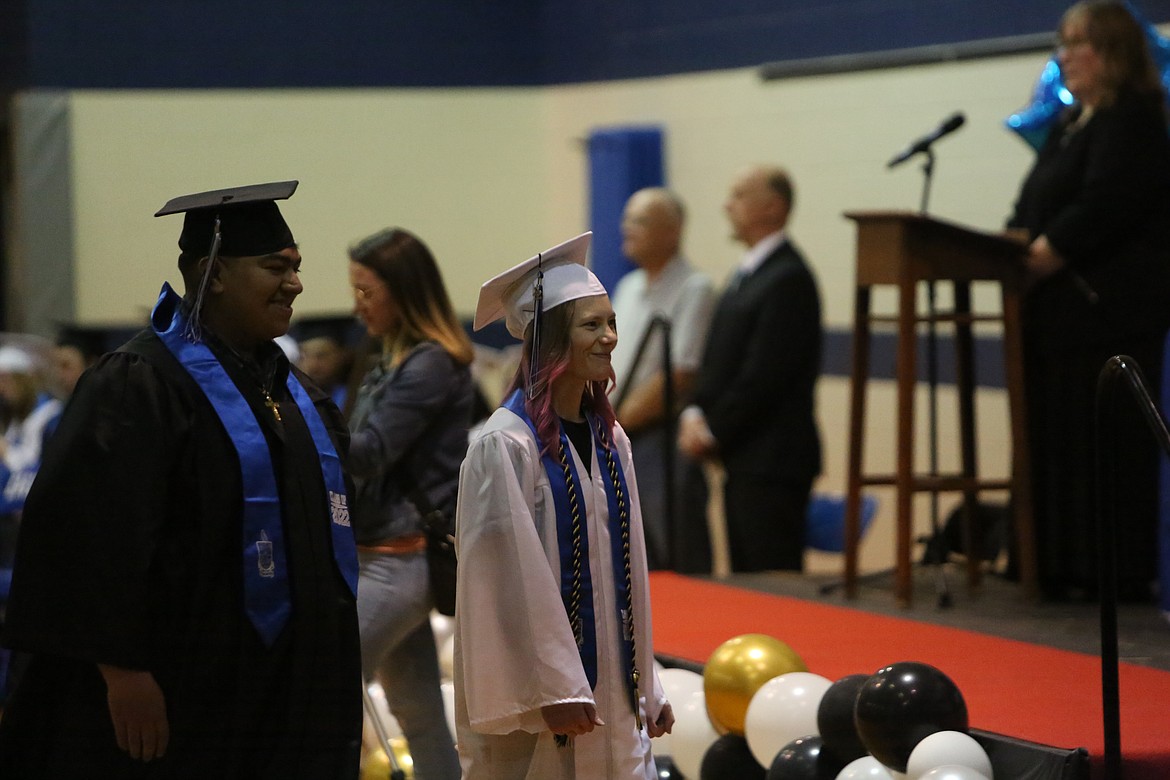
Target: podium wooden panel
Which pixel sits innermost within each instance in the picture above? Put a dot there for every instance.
(903, 249)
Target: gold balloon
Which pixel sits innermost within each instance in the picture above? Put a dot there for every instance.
(736, 670)
(377, 765)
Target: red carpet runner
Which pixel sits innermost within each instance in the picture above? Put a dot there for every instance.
(1012, 688)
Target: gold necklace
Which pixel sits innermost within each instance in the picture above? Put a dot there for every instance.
(271, 404)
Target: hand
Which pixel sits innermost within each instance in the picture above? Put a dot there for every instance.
(138, 711)
(694, 437)
(1043, 260)
(571, 718)
(664, 723)
(1016, 234)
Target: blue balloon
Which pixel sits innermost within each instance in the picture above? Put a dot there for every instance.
(1050, 97)
(1159, 46)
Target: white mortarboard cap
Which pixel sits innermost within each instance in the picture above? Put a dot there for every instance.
(566, 278)
(14, 360)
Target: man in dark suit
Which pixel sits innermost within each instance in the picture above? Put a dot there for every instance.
(753, 405)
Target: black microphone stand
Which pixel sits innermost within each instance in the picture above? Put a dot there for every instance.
(669, 450)
(936, 551)
(927, 178)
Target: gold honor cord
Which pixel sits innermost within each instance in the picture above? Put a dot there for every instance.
(624, 517)
(574, 608)
(575, 536)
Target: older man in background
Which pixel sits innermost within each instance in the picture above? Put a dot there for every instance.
(666, 286)
(754, 396)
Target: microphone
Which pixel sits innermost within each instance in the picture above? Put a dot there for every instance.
(922, 144)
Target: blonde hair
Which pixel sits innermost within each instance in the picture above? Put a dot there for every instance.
(403, 262)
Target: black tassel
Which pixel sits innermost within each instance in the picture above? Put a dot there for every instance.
(537, 316)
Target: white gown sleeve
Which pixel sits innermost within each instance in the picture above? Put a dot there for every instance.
(515, 652)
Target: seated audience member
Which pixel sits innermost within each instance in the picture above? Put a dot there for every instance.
(27, 416)
(77, 349)
(326, 353)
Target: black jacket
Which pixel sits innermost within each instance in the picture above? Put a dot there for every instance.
(763, 355)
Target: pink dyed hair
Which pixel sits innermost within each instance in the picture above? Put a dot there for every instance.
(554, 361)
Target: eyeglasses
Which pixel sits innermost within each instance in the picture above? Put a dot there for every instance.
(1068, 44)
(367, 293)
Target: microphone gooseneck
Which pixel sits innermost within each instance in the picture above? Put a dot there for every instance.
(950, 125)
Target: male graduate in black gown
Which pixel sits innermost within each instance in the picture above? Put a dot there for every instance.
(184, 583)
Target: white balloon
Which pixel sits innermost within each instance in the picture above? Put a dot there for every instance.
(678, 684)
(442, 627)
(949, 748)
(953, 772)
(692, 735)
(662, 746)
(447, 659)
(865, 768)
(448, 690)
(783, 709)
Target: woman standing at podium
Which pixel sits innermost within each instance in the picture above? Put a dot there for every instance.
(1096, 207)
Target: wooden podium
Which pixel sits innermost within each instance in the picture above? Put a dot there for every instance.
(903, 249)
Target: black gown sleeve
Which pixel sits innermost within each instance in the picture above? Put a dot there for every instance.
(88, 553)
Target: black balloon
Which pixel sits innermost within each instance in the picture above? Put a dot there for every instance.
(805, 759)
(835, 721)
(730, 758)
(666, 768)
(901, 705)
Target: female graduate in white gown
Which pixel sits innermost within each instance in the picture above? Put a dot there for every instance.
(541, 552)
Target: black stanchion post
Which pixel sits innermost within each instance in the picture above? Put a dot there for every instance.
(1123, 367)
(669, 451)
(1107, 570)
(661, 324)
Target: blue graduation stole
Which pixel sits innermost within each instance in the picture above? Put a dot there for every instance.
(266, 589)
(587, 635)
(14, 485)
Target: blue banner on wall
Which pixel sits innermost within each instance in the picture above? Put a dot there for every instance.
(622, 160)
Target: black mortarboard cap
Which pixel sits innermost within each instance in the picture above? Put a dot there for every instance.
(91, 341)
(341, 328)
(250, 223)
